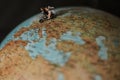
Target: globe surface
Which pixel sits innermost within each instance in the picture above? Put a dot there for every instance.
(79, 44)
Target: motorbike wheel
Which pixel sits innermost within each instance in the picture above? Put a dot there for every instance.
(41, 20)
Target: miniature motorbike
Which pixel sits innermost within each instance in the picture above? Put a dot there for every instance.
(44, 18)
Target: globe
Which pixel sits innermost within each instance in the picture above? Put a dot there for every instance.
(81, 43)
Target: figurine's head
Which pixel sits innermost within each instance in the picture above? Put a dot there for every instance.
(46, 8)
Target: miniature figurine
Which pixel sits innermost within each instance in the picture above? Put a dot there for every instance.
(48, 12)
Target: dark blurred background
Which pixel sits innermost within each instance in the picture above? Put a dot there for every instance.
(13, 12)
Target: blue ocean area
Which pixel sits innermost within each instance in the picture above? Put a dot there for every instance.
(116, 43)
(50, 52)
(103, 49)
(61, 76)
(97, 77)
(69, 37)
